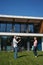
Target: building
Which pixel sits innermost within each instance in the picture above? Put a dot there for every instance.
(21, 26)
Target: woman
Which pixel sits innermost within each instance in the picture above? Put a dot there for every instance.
(35, 46)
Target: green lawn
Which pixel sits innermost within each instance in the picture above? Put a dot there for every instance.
(25, 58)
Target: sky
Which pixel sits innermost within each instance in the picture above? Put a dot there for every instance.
(22, 7)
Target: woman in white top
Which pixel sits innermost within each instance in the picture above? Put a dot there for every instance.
(15, 46)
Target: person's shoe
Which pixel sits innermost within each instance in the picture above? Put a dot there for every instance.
(35, 56)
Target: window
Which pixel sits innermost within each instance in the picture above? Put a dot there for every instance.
(9, 27)
(3, 27)
(17, 27)
(23, 28)
(31, 28)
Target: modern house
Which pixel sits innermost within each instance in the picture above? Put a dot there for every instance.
(24, 26)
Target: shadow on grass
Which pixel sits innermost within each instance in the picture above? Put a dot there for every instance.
(40, 55)
(22, 56)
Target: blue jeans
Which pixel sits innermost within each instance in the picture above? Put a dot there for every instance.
(35, 51)
(15, 52)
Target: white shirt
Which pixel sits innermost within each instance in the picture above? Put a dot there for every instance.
(14, 43)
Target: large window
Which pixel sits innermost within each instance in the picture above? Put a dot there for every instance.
(4, 27)
(27, 28)
(9, 27)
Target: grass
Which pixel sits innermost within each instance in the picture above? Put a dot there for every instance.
(25, 58)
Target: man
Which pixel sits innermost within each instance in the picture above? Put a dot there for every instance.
(15, 46)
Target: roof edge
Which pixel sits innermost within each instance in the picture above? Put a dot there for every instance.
(22, 17)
